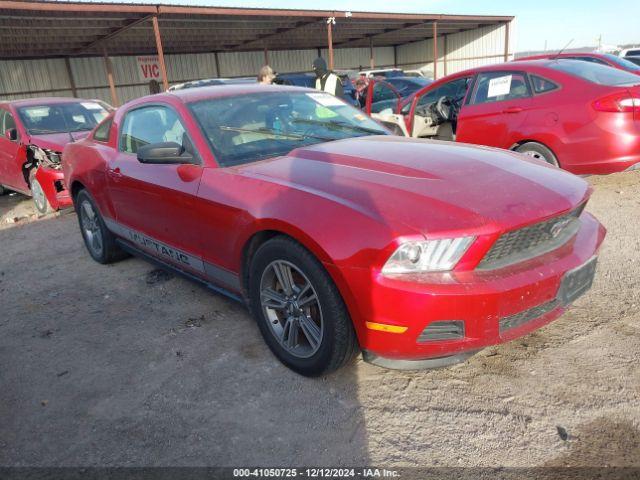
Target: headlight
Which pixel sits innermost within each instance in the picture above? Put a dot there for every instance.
(427, 256)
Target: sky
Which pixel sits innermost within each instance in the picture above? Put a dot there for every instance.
(555, 22)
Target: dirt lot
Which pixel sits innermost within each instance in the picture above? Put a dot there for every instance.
(123, 365)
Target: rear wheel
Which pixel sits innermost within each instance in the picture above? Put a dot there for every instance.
(299, 310)
(100, 242)
(538, 151)
(39, 198)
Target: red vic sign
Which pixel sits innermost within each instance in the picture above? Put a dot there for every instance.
(148, 68)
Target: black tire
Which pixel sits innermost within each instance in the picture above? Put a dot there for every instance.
(338, 344)
(2, 190)
(90, 226)
(539, 151)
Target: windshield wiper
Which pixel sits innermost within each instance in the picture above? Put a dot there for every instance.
(339, 125)
(275, 133)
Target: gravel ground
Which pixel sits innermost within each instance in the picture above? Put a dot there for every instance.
(125, 365)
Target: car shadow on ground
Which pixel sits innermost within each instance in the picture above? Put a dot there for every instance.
(125, 365)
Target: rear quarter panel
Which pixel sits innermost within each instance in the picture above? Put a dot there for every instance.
(564, 121)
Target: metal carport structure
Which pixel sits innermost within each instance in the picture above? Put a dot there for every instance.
(68, 30)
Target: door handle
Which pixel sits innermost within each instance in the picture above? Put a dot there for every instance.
(513, 110)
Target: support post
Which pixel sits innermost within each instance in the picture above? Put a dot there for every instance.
(435, 50)
(330, 41)
(72, 82)
(372, 62)
(445, 54)
(266, 56)
(395, 56)
(506, 41)
(112, 86)
(163, 68)
(215, 58)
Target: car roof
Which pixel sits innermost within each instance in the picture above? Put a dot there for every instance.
(203, 93)
(296, 75)
(518, 65)
(552, 55)
(30, 102)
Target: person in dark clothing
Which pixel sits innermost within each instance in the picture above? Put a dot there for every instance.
(326, 80)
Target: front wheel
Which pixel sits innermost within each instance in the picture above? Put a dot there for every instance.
(39, 198)
(299, 310)
(538, 151)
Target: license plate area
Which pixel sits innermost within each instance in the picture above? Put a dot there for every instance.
(576, 282)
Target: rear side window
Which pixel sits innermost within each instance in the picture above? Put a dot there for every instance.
(588, 59)
(147, 125)
(102, 132)
(500, 86)
(599, 74)
(623, 62)
(542, 85)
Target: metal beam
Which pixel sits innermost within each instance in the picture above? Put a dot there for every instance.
(330, 41)
(385, 31)
(277, 32)
(114, 33)
(506, 41)
(435, 50)
(112, 86)
(371, 58)
(445, 54)
(163, 68)
(72, 82)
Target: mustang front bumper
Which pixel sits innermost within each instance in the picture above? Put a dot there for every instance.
(443, 318)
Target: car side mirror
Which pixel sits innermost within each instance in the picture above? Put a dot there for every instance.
(165, 153)
(11, 134)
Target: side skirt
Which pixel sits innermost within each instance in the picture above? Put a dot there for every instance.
(167, 266)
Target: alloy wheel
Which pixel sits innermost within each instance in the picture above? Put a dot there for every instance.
(91, 228)
(292, 308)
(39, 197)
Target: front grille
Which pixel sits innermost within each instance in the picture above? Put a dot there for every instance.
(531, 241)
(513, 321)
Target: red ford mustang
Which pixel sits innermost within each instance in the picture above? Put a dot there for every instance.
(580, 116)
(339, 236)
(34, 132)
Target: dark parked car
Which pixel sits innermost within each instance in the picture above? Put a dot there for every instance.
(308, 80)
(209, 82)
(407, 86)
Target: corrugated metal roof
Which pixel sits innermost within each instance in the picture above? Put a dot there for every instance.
(82, 28)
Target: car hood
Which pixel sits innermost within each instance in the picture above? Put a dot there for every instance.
(429, 186)
(56, 141)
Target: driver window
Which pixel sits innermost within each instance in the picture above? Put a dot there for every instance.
(144, 126)
(455, 89)
(500, 86)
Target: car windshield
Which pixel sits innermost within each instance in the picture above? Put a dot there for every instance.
(623, 62)
(248, 128)
(634, 60)
(62, 117)
(592, 72)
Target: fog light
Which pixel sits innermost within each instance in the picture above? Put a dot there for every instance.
(442, 330)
